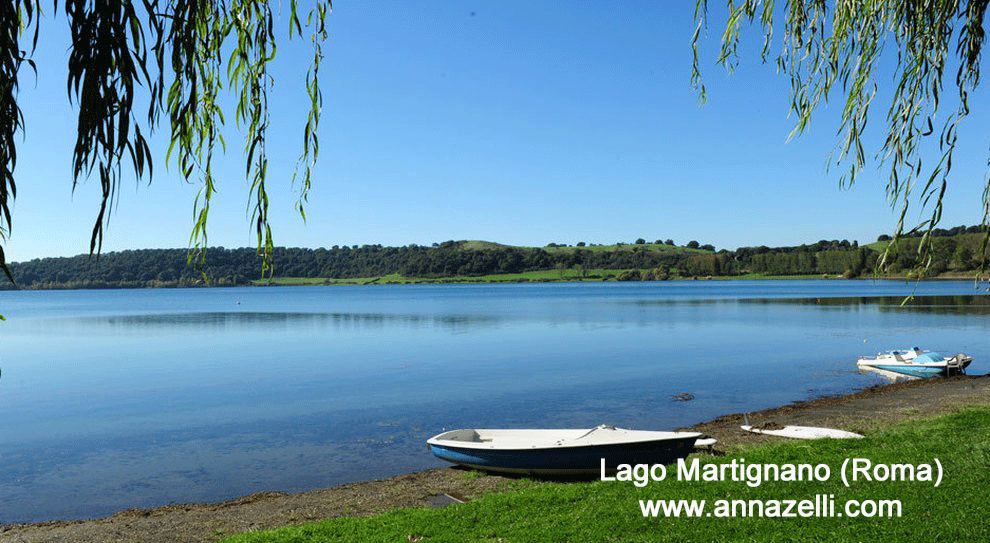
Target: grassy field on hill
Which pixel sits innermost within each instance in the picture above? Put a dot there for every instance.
(534, 276)
(957, 256)
(544, 276)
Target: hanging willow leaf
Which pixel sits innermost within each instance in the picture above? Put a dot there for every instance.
(172, 54)
(311, 143)
(15, 18)
(921, 34)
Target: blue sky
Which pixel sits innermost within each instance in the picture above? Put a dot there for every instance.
(519, 122)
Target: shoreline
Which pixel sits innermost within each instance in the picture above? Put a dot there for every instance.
(537, 277)
(864, 411)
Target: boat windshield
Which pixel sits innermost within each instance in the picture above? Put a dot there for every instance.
(928, 358)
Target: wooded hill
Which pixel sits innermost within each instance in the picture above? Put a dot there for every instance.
(957, 250)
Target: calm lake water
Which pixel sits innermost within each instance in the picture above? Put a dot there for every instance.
(136, 398)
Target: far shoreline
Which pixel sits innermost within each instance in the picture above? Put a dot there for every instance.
(538, 277)
(484, 280)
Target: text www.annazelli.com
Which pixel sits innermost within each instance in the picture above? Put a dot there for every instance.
(822, 506)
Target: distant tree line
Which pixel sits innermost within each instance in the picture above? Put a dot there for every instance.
(169, 267)
(138, 268)
(962, 251)
(940, 232)
(958, 249)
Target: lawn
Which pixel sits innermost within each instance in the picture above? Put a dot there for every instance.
(955, 509)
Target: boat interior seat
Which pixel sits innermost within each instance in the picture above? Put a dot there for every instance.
(465, 435)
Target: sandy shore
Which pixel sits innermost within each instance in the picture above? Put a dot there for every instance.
(865, 412)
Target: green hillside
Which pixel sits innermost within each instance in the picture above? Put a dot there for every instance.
(959, 252)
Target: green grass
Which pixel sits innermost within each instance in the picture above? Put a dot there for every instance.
(609, 511)
(572, 275)
(649, 247)
(535, 276)
(479, 245)
(766, 276)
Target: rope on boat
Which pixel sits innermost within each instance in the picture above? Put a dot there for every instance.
(599, 427)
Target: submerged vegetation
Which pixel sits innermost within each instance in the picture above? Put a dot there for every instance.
(956, 252)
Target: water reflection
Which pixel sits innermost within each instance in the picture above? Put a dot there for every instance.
(934, 305)
(948, 305)
(268, 320)
(138, 398)
(890, 376)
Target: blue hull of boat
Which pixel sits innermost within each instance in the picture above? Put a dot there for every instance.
(913, 371)
(567, 460)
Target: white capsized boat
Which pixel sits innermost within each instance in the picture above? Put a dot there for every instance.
(803, 432)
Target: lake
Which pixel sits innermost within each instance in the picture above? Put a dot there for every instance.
(114, 399)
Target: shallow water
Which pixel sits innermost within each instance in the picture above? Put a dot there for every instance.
(136, 398)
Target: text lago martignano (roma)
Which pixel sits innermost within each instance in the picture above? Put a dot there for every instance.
(853, 470)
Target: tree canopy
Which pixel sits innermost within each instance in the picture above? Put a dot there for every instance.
(177, 56)
(956, 251)
(831, 48)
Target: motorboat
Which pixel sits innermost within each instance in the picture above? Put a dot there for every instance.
(915, 363)
(560, 451)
